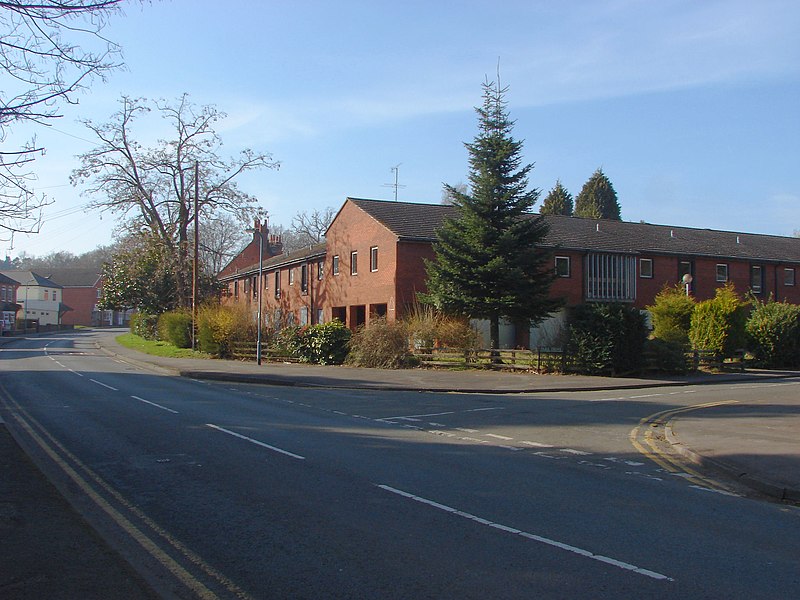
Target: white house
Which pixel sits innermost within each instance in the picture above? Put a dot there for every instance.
(41, 298)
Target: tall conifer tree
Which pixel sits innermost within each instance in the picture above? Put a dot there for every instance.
(489, 264)
(557, 202)
(597, 199)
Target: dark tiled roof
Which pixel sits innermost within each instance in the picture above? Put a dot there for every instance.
(30, 278)
(74, 277)
(298, 256)
(411, 221)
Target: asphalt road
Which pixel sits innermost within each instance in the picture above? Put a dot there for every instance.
(220, 490)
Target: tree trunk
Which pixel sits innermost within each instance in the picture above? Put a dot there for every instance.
(494, 335)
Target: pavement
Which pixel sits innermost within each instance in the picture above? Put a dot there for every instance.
(758, 443)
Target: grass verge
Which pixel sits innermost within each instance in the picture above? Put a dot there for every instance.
(134, 342)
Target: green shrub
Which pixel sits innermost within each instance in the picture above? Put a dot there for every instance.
(175, 327)
(145, 325)
(293, 340)
(773, 329)
(381, 345)
(220, 328)
(607, 339)
(325, 343)
(672, 315)
(718, 324)
(666, 356)
(329, 342)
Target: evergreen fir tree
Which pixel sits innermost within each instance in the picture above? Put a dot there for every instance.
(557, 202)
(488, 263)
(597, 199)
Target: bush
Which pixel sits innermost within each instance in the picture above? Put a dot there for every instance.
(329, 342)
(428, 328)
(773, 329)
(381, 345)
(175, 327)
(672, 315)
(718, 325)
(666, 356)
(324, 344)
(607, 339)
(219, 328)
(145, 325)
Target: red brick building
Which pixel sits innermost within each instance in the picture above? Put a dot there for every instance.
(372, 264)
(80, 290)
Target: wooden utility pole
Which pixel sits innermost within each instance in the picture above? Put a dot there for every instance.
(196, 254)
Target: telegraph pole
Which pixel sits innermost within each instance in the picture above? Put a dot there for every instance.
(196, 254)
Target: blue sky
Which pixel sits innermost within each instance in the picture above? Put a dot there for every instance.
(690, 108)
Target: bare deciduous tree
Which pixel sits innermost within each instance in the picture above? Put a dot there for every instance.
(310, 228)
(45, 59)
(156, 185)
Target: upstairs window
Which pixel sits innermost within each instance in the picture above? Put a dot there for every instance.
(354, 263)
(756, 279)
(373, 259)
(291, 276)
(610, 277)
(278, 283)
(646, 268)
(335, 265)
(563, 266)
(788, 276)
(320, 270)
(722, 273)
(304, 278)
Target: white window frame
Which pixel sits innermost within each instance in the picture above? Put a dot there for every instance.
(354, 262)
(788, 276)
(642, 263)
(373, 259)
(757, 289)
(562, 260)
(610, 277)
(722, 273)
(335, 264)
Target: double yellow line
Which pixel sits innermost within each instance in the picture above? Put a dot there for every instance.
(643, 438)
(91, 484)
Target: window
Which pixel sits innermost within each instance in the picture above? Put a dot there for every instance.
(236, 289)
(320, 316)
(562, 266)
(47, 294)
(373, 259)
(354, 262)
(722, 273)
(303, 315)
(254, 287)
(265, 277)
(788, 276)
(646, 268)
(304, 278)
(610, 277)
(335, 266)
(278, 283)
(320, 270)
(291, 276)
(55, 296)
(756, 279)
